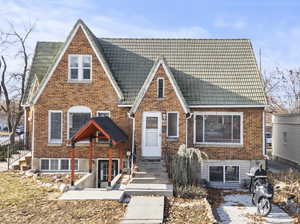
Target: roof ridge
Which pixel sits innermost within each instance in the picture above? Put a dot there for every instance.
(161, 38)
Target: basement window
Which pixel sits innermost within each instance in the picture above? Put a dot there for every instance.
(224, 174)
(80, 67)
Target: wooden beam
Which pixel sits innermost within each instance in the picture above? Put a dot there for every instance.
(109, 166)
(91, 155)
(73, 164)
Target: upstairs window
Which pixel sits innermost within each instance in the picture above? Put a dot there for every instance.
(80, 67)
(55, 126)
(78, 116)
(103, 114)
(160, 87)
(218, 128)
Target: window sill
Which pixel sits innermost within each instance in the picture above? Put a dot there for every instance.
(220, 145)
(159, 98)
(80, 81)
(52, 144)
(173, 139)
(79, 144)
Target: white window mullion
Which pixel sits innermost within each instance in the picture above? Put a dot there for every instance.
(203, 128)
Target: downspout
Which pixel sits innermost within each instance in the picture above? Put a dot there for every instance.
(188, 116)
(131, 116)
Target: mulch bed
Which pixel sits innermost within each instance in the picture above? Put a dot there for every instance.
(192, 211)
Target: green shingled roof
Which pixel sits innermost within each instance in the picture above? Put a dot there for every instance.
(208, 71)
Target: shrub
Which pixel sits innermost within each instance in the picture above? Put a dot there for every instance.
(189, 191)
(185, 166)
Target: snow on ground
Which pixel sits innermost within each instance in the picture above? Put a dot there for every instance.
(237, 208)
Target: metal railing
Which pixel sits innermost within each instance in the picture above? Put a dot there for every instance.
(10, 153)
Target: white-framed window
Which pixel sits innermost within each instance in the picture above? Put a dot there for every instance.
(218, 128)
(104, 113)
(55, 124)
(160, 88)
(172, 124)
(80, 67)
(77, 117)
(224, 174)
(58, 164)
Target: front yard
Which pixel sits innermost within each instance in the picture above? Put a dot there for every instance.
(22, 200)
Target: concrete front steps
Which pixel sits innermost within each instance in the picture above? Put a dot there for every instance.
(150, 178)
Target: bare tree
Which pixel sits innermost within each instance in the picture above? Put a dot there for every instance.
(13, 83)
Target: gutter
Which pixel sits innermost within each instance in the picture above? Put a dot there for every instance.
(188, 116)
(131, 116)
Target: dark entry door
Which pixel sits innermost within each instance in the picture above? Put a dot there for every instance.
(103, 172)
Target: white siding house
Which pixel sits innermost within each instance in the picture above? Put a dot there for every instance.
(286, 137)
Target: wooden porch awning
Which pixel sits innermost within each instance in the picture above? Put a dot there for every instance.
(103, 125)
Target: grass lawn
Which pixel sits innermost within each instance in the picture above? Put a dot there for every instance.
(23, 201)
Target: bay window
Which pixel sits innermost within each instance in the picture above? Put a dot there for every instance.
(218, 128)
(80, 67)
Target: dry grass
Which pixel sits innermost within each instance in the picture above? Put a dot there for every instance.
(23, 201)
(192, 211)
(289, 183)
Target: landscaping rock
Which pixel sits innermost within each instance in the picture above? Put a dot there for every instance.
(63, 188)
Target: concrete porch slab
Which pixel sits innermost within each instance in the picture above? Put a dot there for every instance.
(92, 195)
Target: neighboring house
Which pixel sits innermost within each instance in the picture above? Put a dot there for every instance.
(206, 93)
(286, 137)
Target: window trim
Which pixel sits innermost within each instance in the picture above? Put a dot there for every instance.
(224, 174)
(98, 141)
(241, 114)
(77, 109)
(55, 141)
(163, 88)
(103, 111)
(80, 68)
(59, 164)
(177, 131)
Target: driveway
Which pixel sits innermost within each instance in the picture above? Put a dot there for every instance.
(237, 208)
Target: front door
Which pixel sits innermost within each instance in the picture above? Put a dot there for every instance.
(103, 172)
(151, 137)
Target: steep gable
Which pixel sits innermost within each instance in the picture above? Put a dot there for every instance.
(160, 64)
(79, 27)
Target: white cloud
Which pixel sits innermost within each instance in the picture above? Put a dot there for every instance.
(232, 24)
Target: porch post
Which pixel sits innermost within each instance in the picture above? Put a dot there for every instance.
(121, 159)
(110, 164)
(72, 164)
(91, 155)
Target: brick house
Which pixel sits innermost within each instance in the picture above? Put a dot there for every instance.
(205, 93)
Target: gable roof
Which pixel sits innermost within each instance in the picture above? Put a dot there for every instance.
(208, 72)
(144, 88)
(57, 53)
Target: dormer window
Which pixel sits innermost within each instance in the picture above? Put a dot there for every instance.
(160, 87)
(80, 67)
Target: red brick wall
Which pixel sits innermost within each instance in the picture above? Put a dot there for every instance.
(252, 148)
(150, 102)
(61, 95)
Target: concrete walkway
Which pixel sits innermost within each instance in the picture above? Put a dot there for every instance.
(238, 209)
(142, 209)
(90, 194)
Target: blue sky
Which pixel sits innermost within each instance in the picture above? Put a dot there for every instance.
(272, 25)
